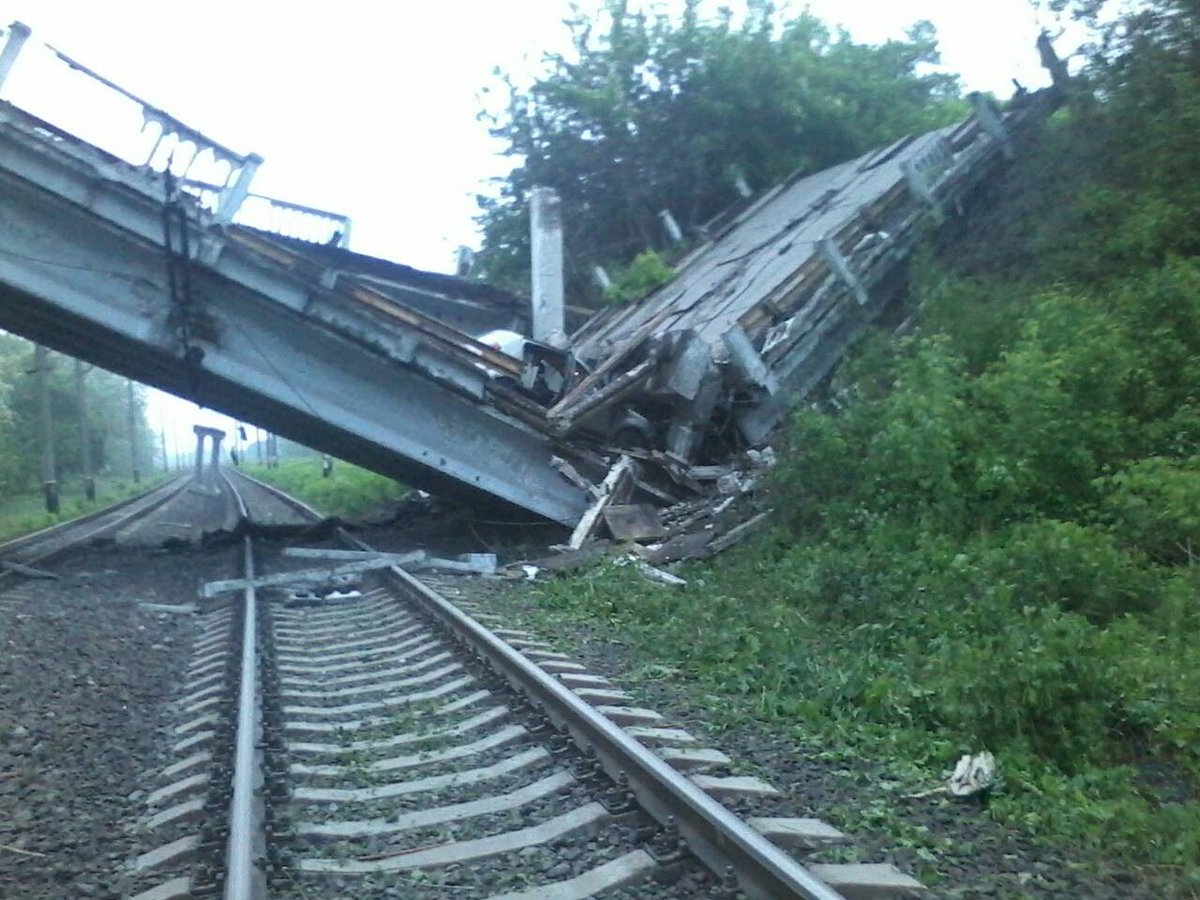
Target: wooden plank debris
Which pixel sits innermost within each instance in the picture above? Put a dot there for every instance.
(470, 564)
(739, 533)
(279, 579)
(633, 521)
(617, 476)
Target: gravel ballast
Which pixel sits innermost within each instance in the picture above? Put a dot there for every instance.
(949, 844)
(88, 676)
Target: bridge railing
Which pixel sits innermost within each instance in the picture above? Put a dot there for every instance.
(68, 95)
(307, 223)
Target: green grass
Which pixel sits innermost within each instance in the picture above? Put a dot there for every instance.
(992, 544)
(26, 513)
(1075, 713)
(348, 492)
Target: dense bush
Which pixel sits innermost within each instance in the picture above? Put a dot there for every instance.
(648, 272)
(987, 532)
(348, 491)
(1154, 506)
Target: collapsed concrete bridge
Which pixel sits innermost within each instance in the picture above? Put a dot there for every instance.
(141, 269)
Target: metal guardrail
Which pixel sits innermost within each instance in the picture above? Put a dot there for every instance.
(219, 177)
(307, 223)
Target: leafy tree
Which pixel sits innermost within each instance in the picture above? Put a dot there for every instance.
(647, 272)
(651, 113)
(107, 414)
(1114, 186)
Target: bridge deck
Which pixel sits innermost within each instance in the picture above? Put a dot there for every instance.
(111, 262)
(261, 332)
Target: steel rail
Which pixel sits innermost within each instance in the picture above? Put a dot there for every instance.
(168, 488)
(243, 878)
(718, 837)
(276, 492)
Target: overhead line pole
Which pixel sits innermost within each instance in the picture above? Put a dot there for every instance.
(85, 433)
(45, 428)
(133, 437)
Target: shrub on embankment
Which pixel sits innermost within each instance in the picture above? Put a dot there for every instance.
(999, 556)
(348, 491)
(988, 536)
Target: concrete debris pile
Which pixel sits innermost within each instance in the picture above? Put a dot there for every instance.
(761, 312)
(422, 377)
(719, 514)
(756, 318)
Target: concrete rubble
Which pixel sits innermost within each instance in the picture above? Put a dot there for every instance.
(669, 403)
(754, 321)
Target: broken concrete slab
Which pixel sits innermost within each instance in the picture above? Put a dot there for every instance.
(468, 563)
(618, 476)
(868, 881)
(633, 521)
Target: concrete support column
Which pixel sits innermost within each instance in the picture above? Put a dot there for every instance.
(214, 471)
(45, 427)
(211, 476)
(670, 226)
(18, 33)
(546, 246)
(201, 433)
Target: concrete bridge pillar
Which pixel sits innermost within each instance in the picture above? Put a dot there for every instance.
(209, 478)
(199, 473)
(215, 463)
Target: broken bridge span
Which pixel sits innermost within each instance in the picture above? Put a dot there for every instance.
(134, 266)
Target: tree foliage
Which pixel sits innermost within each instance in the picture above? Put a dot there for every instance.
(107, 400)
(650, 113)
(988, 536)
(1003, 508)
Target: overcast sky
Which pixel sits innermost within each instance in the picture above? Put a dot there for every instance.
(369, 108)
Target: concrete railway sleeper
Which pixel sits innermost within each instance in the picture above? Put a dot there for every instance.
(383, 742)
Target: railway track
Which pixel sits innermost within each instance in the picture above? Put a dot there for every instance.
(39, 546)
(379, 741)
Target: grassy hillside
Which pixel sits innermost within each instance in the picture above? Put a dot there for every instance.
(25, 513)
(349, 490)
(988, 537)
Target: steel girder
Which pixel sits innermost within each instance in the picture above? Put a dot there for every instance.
(83, 270)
